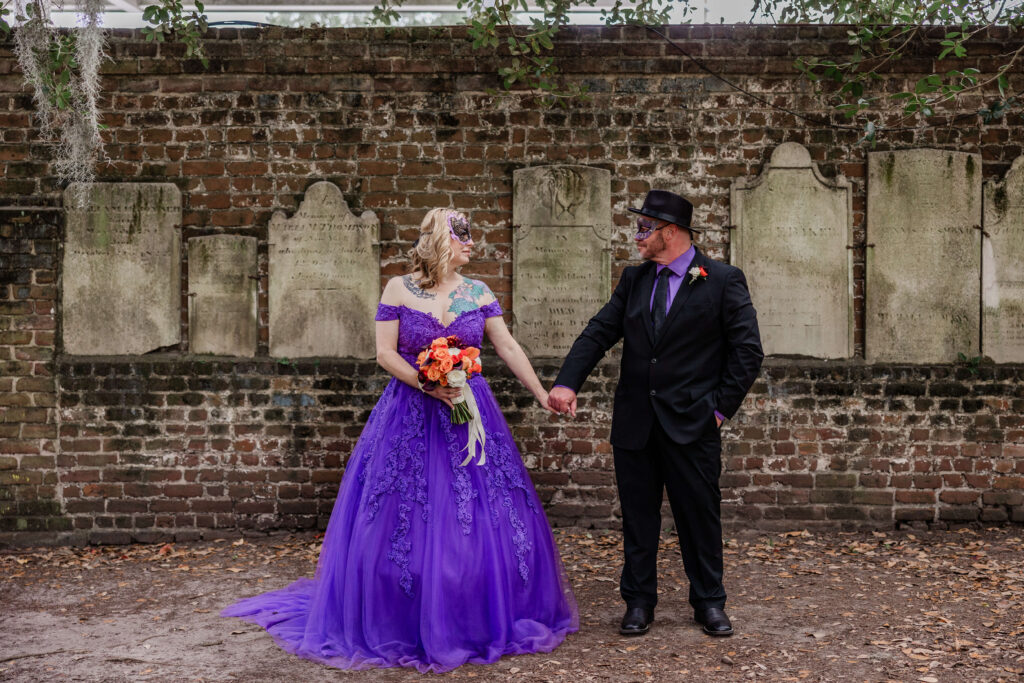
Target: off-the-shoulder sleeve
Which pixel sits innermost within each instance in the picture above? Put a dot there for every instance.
(492, 309)
(386, 312)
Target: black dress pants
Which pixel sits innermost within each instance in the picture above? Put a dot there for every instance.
(690, 474)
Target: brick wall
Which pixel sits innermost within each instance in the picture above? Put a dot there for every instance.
(171, 445)
(30, 500)
(886, 444)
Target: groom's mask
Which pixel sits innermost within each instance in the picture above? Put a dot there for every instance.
(645, 227)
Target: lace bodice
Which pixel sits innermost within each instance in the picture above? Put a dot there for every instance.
(416, 329)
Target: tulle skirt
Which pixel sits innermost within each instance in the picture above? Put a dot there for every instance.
(426, 563)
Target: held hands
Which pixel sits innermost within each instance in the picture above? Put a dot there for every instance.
(562, 400)
(544, 399)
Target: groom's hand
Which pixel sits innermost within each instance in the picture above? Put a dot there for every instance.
(562, 400)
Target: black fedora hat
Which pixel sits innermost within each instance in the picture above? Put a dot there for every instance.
(667, 206)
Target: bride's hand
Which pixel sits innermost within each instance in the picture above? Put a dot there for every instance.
(444, 394)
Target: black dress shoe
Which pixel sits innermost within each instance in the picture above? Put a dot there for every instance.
(715, 622)
(636, 621)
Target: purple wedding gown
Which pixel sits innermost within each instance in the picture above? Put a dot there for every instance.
(425, 563)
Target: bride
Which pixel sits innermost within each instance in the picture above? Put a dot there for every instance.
(427, 563)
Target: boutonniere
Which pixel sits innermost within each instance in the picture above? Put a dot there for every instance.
(697, 273)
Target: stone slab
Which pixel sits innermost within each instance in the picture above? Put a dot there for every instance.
(1002, 334)
(922, 288)
(791, 229)
(561, 261)
(121, 272)
(324, 278)
(222, 301)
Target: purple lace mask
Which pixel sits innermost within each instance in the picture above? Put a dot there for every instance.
(458, 226)
(645, 227)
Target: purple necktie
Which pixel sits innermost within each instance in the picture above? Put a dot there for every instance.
(661, 300)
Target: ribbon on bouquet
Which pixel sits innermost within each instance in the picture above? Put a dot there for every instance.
(475, 425)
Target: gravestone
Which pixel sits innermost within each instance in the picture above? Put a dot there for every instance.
(561, 262)
(921, 290)
(121, 272)
(1002, 293)
(791, 229)
(222, 299)
(324, 278)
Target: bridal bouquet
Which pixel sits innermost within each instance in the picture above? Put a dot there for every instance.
(450, 363)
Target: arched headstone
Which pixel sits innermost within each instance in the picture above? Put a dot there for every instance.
(791, 229)
(561, 265)
(324, 278)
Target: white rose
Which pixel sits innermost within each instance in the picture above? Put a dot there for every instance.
(456, 378)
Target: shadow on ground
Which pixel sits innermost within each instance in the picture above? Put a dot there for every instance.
(925, 606)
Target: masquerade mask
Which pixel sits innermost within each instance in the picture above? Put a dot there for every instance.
(645, 227)
(459, 228)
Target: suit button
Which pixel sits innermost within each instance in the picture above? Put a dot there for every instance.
(654, 360)
(653, 392)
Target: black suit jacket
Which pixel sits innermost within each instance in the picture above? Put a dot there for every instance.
(705, 358)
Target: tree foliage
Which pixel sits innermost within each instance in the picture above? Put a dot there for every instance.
(880, 33)
(168, 19)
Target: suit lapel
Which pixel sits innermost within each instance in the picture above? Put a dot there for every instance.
(685, 290)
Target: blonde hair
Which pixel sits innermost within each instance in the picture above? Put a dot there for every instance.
(432, 254)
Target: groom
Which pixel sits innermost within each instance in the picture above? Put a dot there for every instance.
(691, 351)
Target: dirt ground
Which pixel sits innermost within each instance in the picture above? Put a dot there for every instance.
(924, 606)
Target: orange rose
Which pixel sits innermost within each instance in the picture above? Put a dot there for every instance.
(420, 359)
(476, 367)
(433, 373)
(439, 343)
(467, 364)
(441, 354)
(446, 364)
(471, 352)
(443, 381)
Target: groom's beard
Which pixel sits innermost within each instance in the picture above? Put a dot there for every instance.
(652, 246)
